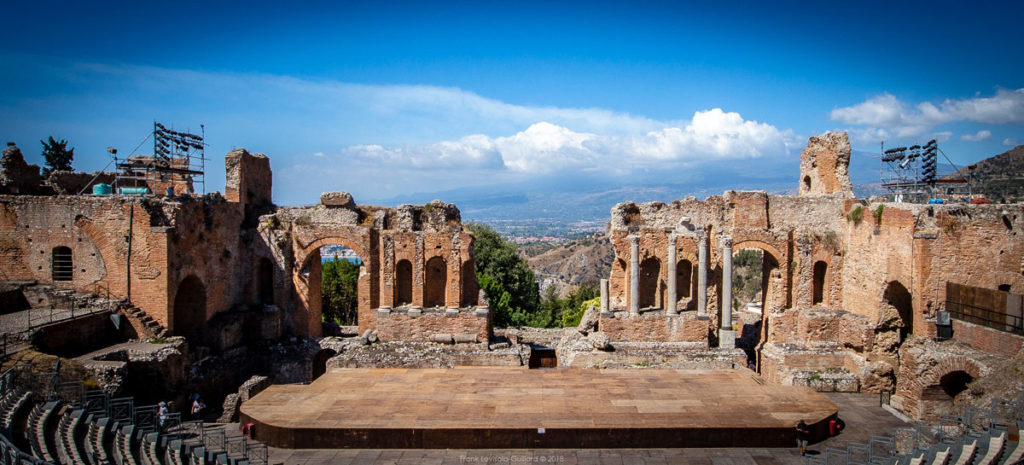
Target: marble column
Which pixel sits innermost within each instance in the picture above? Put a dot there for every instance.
(670, 294)
(702, 273)
(634, 274)
(726, 282)
(604, 295)
(726, 335)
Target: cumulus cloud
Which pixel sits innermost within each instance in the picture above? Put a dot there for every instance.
(545, 148)
(983, 134)
(1010, 142)
(888, 112)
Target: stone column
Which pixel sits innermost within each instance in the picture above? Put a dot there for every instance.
(726, 336)
(670, 294)
(634, 274)
(604, 295)
(702, 273)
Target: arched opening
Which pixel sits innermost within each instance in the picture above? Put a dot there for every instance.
(190, 310)
(436, 283)
(470, 291)
(955, 382)
(403, 283)
(898, 298)
(684, 279)
(320, 362)
(940, 399)
(265, 282)
(61, 266)
(820, 270)
(1005, 287)
(748, 279)
(650, 282)
(807, 183)
(340, 268)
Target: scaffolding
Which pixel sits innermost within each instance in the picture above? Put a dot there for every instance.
(911, 175)
(177, 165)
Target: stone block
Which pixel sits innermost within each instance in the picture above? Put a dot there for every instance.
(337, 199)
(726, 339)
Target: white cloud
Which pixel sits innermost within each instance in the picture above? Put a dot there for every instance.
(983, 134)
(319, 154)
(1010, 142)
(903, 120)
(545, 148)
(942, 136)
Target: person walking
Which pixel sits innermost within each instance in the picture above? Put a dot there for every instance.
(197, 407)
(802, 435)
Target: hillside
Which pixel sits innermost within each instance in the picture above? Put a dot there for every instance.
(1000, 178)
(569, 264)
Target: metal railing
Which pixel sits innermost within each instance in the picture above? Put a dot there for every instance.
(986, 317)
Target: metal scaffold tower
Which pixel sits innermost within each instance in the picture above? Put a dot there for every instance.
(178, 162)
(911, 175)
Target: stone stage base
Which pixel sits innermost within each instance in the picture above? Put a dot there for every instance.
(512, 407)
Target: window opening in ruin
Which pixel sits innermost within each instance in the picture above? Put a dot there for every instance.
(748, 279)
(320, 362)
(265, 281)
(340, 268)
(650, 283)
(436, 283)
(470, 292)
(684, 279)
(61, 267)
(190, 310)
(543, 357)
(1004, 287)
(403, 283)
(899, 298)
(807, 183)
(820, 271)
(955, 382)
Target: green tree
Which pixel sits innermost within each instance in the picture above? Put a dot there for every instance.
(339, 291)
(505, 278)
(57, 156)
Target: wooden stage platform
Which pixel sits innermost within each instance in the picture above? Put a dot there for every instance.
(491, 407)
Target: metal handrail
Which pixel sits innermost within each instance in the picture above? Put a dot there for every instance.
(988, 317)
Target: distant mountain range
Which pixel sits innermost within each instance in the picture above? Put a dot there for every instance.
(1000, 178)
(561, 202)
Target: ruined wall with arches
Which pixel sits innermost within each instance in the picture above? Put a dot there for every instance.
(849, 286)
(417, 275)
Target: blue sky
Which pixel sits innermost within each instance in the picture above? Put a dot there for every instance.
(384, 98)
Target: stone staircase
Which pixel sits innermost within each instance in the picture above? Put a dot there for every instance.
(145, 323)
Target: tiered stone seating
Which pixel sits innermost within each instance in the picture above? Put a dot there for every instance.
(14, 408)
(173, 453)
(151, 450)
(70, 437)
(125, 446)
(98, 441)
(41, 429)
(996, 443)
(197, 456)
(967, 453)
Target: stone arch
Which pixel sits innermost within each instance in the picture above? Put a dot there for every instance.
(650, 282)
(403, 282)
(319, 362)
(941, 386)
(819, 283)
(807, 183)
(435, 285)
(898, 297)
(62, 267)
(265, 281)
(308, 278)
(189, 317)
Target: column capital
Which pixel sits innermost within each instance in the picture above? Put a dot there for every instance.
(634, 239)
(672, 236)
(726, 241)
(701, 233)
